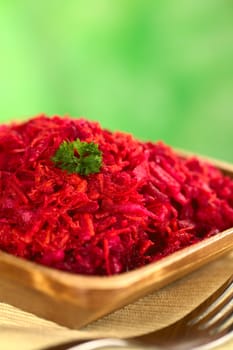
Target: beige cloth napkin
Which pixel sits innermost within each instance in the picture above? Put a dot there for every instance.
(23, 331)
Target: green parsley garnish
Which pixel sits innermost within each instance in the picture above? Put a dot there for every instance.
(78, 157)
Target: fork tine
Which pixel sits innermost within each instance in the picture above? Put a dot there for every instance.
(220, 338)
(226, 330)
(207, 311)
(220, 320)
(220, 313)
(188, 326)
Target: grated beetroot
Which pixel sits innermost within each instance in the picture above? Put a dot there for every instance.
(145, 203)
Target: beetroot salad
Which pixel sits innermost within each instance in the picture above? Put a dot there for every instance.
(82, 199)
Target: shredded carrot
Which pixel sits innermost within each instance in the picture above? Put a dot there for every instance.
(144, 203)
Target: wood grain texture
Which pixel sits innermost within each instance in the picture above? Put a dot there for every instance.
(74, 300)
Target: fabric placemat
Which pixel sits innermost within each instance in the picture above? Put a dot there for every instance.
(20, 330)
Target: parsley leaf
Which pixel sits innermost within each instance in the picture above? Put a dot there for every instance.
(78, 157)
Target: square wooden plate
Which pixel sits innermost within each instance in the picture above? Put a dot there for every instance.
(74, 300)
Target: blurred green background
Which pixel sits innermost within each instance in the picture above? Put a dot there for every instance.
(158, 69)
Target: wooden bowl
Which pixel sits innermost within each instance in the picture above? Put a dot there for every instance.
(74, 300)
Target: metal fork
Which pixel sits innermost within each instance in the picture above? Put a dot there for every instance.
(206, 327)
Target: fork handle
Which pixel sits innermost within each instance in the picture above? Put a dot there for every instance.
(100, 344)
(95, 344)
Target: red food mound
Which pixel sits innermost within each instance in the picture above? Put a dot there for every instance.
(145, 203)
